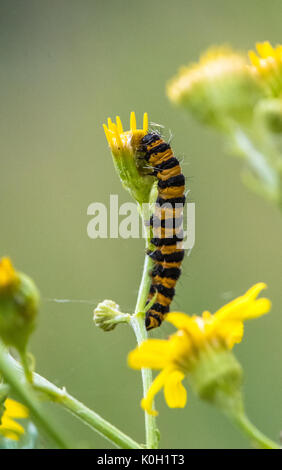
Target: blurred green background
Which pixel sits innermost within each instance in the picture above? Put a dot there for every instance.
(65, 67)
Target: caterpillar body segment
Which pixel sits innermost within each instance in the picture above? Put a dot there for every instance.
(167, 225)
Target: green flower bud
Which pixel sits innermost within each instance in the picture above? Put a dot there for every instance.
(107, 315)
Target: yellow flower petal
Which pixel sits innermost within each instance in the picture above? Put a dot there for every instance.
(256, 309)
(11, 425)
(15, 409)
(265, 49)
(245, 307)
(8, 275)
(9, 434)
(153, 353)
(253, 58)
(121, 141)
(145, 123)
(255, 290)
(174, 392)
(9, 428)
(267, 65)
(132, 121)
(156, 386)
(231, 332)
(181, 321)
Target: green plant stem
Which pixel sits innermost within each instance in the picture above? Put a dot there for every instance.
(280, 189)
(48, 390)
(152, 433)
(23, 390)
(138, 324)
(26, 367)
(257, 162)
(258, 438)
(94, 420)
(144, 287)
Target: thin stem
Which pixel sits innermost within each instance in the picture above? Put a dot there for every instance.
(152, 432)
(228, 397)
(258, 438)
(99, 424)
(280, 191)
(138, 325)
(144, 286)
(24, 391)
(89, 417)
(257, 161)
(26, 366)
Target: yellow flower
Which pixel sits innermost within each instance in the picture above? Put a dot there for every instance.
(8, 276)
(125, 147)
(19, 301)
(9, 428)
(213, 65)
(220, 85)
(120, 141)
(268, 66)
(197, 337)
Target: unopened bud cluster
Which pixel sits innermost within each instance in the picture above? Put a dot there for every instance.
(107, 315)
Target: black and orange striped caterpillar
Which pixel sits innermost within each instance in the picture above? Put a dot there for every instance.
(167, 226)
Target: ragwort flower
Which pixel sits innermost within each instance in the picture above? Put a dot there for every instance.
(267, 65)
(124, 146)
(219, 87)
(199, 349)
(19, 302)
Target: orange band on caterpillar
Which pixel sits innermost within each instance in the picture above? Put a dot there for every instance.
(167, 225)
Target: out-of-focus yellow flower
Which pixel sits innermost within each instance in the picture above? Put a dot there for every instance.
(19, 301)
(8, 275)
(219, 86)
(200, 348)
(9, 428)
(267, 64)
(125, 146)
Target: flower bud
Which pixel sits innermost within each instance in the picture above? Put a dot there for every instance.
(107, 315)
(19, 300)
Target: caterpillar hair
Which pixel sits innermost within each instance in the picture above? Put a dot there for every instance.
(167, 225)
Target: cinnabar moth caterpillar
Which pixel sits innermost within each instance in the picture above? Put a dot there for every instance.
(167, 225)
